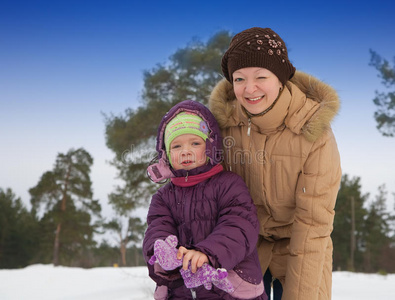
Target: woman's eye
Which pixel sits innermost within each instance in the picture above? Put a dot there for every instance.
(238, 79)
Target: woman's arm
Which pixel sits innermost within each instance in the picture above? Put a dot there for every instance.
(313, 222)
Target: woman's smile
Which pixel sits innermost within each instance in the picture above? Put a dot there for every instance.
(256, 88)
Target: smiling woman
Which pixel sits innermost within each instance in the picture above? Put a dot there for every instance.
(264, 107)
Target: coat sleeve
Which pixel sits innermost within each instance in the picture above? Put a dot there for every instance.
(236, 232)
(310, 246)
(160, 225)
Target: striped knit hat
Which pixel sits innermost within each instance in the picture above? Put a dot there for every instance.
(184, 123)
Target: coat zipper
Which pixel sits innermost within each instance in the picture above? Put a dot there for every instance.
(193, 292)
(249, 127)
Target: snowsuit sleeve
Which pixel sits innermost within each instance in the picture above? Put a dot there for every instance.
(314, 213)
(236, 232)
(160, 226)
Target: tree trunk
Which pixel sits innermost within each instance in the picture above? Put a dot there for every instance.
(58, 228)
(56, 246)
(352, 239)
(123, 253)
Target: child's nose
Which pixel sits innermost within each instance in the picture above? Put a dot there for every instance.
(186, 150)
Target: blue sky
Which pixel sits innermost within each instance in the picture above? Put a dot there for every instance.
(64, 63)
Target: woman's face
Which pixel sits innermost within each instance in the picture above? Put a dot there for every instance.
(255, 88)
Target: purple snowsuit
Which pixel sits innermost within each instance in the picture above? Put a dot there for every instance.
(215, 216)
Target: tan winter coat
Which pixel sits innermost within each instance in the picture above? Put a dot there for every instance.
(289, 159)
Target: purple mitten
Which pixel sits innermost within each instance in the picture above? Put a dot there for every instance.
(223, 283)
(207, 275)
(165, 253)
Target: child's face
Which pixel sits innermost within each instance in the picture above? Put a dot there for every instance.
(188, 151)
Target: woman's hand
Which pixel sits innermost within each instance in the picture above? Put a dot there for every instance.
(196, 258)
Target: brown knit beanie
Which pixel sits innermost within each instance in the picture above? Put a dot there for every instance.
(258, 47)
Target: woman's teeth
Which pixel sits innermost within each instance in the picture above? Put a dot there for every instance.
(255, 99)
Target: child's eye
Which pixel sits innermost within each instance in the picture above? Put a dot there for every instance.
(175, 146)
(196, 143)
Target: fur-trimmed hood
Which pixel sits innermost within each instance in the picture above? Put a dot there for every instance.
(310, 120)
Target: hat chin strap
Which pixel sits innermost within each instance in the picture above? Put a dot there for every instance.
(250, 115)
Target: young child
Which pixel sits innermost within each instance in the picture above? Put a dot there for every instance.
(208, 210)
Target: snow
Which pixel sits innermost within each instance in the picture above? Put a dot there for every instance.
(42, 282)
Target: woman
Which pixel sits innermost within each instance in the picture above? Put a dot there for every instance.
(276, 128)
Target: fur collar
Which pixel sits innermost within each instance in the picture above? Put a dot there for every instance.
(303, 88)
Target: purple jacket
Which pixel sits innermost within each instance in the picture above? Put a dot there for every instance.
(215, 216)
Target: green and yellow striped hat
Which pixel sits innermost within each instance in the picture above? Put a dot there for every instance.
(184, 123)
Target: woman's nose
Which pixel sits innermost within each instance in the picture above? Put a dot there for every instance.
(250, 87)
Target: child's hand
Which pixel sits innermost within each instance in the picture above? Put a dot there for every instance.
(197, 258)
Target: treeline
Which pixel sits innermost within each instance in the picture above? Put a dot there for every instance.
(65, 222)
(364, 230)
(61, 232)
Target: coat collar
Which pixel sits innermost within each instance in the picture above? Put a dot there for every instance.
(273, 119)
(195, 179)
(312, 105)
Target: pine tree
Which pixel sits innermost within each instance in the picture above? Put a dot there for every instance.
(191, 73)
(131, 233)
(18, 231)
(60, 191)
(385, 101)
(348, 225)
(376, 232)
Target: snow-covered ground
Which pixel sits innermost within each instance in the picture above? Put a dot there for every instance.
(42, 282)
